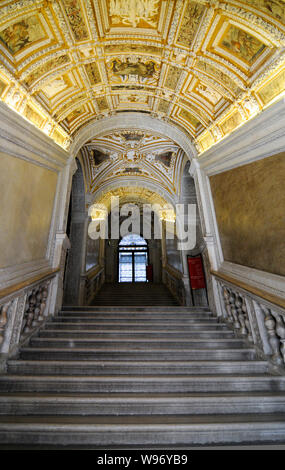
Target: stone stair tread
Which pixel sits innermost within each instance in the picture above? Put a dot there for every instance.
(145, 311)
(138, 364)
(151, 310)
(137, 340)
(146, 378)
(138, 318)
(47, 367)
(89, 320)
(130, 331)
(130, 351)
(149, 318)
(113, 308)
(156, 421)
(133, 397)
(134, 363)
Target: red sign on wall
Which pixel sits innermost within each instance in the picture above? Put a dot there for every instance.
(149, 272)
(196, 273)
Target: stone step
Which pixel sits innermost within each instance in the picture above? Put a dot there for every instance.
(138, 301)
(139, 316)
(141, 384)
(104, 431)
(141, 321)
(141, 404)
(129, 334)
(150, 309)
(140, 376)
(135, 354)
(133, 326)
(136, 367)
(136, 343)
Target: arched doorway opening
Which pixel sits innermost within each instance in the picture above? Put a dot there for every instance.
(133, 259)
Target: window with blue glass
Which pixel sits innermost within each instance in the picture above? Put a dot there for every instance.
(133, 259)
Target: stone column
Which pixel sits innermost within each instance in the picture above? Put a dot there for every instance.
(81, 295)
(61, 242)
(209, 229)
(185, 280)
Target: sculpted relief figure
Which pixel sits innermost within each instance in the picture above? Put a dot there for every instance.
(131, 12)
(54, 87)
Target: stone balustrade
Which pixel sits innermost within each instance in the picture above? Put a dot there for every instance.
(259, 321)
(22, 310)
(92, 285)
(175, 285)
(35, 309)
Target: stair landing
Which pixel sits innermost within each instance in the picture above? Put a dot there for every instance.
(134, 294)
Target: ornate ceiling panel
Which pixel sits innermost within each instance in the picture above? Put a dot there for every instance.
(127, 154)
(205, 65)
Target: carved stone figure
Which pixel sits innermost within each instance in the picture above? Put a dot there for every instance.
(132, 12)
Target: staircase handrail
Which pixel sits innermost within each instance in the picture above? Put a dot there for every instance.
(255, 315)
(7, 291)
(24, 306)
(267, 296)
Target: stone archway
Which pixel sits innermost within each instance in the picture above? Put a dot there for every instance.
(130, 120)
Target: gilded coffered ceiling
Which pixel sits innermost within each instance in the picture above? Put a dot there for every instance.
(206, 65)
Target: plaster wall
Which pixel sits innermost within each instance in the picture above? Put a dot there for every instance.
(27, 201)
(249, 203)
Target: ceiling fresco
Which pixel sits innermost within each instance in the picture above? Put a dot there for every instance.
(128, 153)
(206, 66)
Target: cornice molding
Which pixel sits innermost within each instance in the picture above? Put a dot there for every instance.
(20, 138)
(261, 137)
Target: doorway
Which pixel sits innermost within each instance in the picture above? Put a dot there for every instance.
(133, 259)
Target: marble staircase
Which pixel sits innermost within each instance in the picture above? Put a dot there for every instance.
(104, 377)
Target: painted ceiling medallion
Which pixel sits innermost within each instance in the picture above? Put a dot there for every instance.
(205, 65)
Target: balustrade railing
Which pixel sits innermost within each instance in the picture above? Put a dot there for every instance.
(92, 284)
(35, 309)
(256, 317)
(23, 308)
(174, 283)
